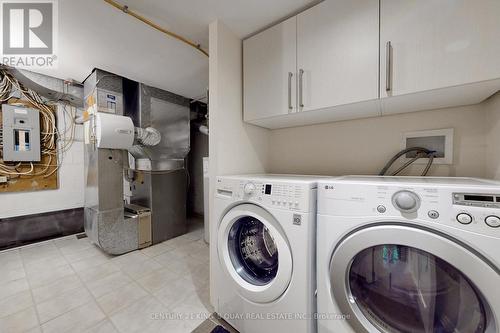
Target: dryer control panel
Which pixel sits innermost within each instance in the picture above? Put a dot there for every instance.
(480, 200)
(282, 195)
(477, 200)
(463, 206)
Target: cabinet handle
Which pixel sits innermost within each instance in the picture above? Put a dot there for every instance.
(388, 66)
(290, 107)
(301, 101)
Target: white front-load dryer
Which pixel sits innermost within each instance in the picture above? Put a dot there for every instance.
(262, 251)
(405, 254)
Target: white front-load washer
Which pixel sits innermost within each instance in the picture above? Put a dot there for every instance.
(408, 254)
(262, 250)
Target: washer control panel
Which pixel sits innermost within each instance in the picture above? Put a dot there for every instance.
(282, 195)
(287, 196)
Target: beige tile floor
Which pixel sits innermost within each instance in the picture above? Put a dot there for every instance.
(69, 285)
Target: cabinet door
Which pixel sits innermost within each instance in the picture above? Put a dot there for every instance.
(437, 43)
(269, 66)
(337, 50)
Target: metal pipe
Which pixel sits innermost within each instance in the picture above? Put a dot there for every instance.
(126, 10)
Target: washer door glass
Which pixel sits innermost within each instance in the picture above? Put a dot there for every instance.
(253, 251)
(404, 289)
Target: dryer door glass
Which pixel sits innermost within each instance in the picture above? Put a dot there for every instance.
(253, 251)
(404, 289)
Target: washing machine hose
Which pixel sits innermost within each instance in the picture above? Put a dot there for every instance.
(421, 153)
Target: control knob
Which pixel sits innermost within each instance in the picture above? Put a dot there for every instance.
(492, 221)
(249, 188)
(464, 218)
(406, 201)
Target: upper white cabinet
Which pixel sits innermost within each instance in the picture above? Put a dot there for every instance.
(312, 67)
(269, 72)
(337, 54)
(346, 59)
(435, 44)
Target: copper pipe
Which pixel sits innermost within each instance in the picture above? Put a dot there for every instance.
(126, 10)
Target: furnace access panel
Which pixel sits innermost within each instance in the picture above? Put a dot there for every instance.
(21, 134)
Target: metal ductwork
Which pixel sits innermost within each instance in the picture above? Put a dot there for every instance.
(153, 178)
(50, 87)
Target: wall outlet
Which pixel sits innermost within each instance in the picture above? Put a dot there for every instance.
(440, 141)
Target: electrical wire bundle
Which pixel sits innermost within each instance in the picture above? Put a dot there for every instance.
(53, 142)
(420, 153)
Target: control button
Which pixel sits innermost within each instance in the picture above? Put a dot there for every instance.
(249, 188)
(464, 218)
(381, 209)
(406, 201)
(433, 214)
(493, 221)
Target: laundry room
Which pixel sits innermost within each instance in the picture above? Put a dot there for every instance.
(316, 166)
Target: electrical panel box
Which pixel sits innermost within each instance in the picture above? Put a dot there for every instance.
(21, 134)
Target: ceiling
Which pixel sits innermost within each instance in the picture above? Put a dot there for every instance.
(94, 34)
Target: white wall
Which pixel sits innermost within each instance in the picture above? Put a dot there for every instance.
(234, 147)
(68, 195)
(492, 106)
(363, 146)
